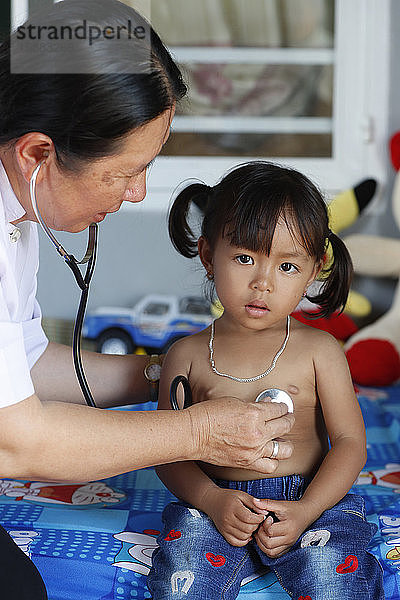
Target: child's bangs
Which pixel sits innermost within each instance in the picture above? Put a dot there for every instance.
(251, 224)
(304, 231)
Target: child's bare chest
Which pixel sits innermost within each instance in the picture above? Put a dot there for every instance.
(293, 373)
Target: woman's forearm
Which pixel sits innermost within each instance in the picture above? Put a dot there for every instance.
(57, 441)
(113, 380)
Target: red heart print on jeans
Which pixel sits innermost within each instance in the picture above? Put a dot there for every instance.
(173, 535)
(305, 598)
(349, 566)
(216, 560)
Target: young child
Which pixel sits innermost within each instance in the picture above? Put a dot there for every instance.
(264, 239)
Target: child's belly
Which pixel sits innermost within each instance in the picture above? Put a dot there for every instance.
(310, 446)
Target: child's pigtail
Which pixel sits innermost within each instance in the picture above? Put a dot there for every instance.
(181, 235)
(337, 278)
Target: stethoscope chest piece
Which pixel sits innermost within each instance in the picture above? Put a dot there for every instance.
(276, 395)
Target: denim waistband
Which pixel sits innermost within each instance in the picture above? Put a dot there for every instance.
(289, 487)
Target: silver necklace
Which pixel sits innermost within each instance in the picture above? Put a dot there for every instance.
(247, 379)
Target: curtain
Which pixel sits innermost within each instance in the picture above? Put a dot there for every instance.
(272, 23)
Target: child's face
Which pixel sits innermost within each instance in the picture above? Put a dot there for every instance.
(255, 289)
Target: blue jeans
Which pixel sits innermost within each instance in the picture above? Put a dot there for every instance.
(328, 562)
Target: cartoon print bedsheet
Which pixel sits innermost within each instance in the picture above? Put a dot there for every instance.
(95, 540)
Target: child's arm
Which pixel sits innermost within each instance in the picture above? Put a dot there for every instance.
(231, 511)
(342, 464)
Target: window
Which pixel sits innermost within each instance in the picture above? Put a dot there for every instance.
(260, 76)
(155, 309)
(194, 306)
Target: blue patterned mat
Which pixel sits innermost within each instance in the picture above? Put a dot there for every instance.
(95, 540)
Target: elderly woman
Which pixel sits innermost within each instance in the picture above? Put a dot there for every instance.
(95, 130)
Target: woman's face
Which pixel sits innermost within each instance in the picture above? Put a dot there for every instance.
(70, 202)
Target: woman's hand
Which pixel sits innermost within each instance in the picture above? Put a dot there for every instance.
(276, 538)
(233, 433)
(232, 512)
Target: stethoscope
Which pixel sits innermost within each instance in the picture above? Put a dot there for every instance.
(83, 282)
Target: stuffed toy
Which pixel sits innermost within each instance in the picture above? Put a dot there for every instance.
(344, 210)
(373, 353)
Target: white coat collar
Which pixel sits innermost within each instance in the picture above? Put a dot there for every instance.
(13, 210)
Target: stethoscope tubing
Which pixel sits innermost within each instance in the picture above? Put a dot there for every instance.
(83, 282)
(187, 392)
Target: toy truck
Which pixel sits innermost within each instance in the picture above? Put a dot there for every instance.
(154, 323)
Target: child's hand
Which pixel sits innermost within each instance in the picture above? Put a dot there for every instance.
(276, 538)
(233, 513)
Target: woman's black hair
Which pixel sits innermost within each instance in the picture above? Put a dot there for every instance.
(86, 112)
(245, 207)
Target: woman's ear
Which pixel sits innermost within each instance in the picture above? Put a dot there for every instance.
(30, 149)
(205, 254)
